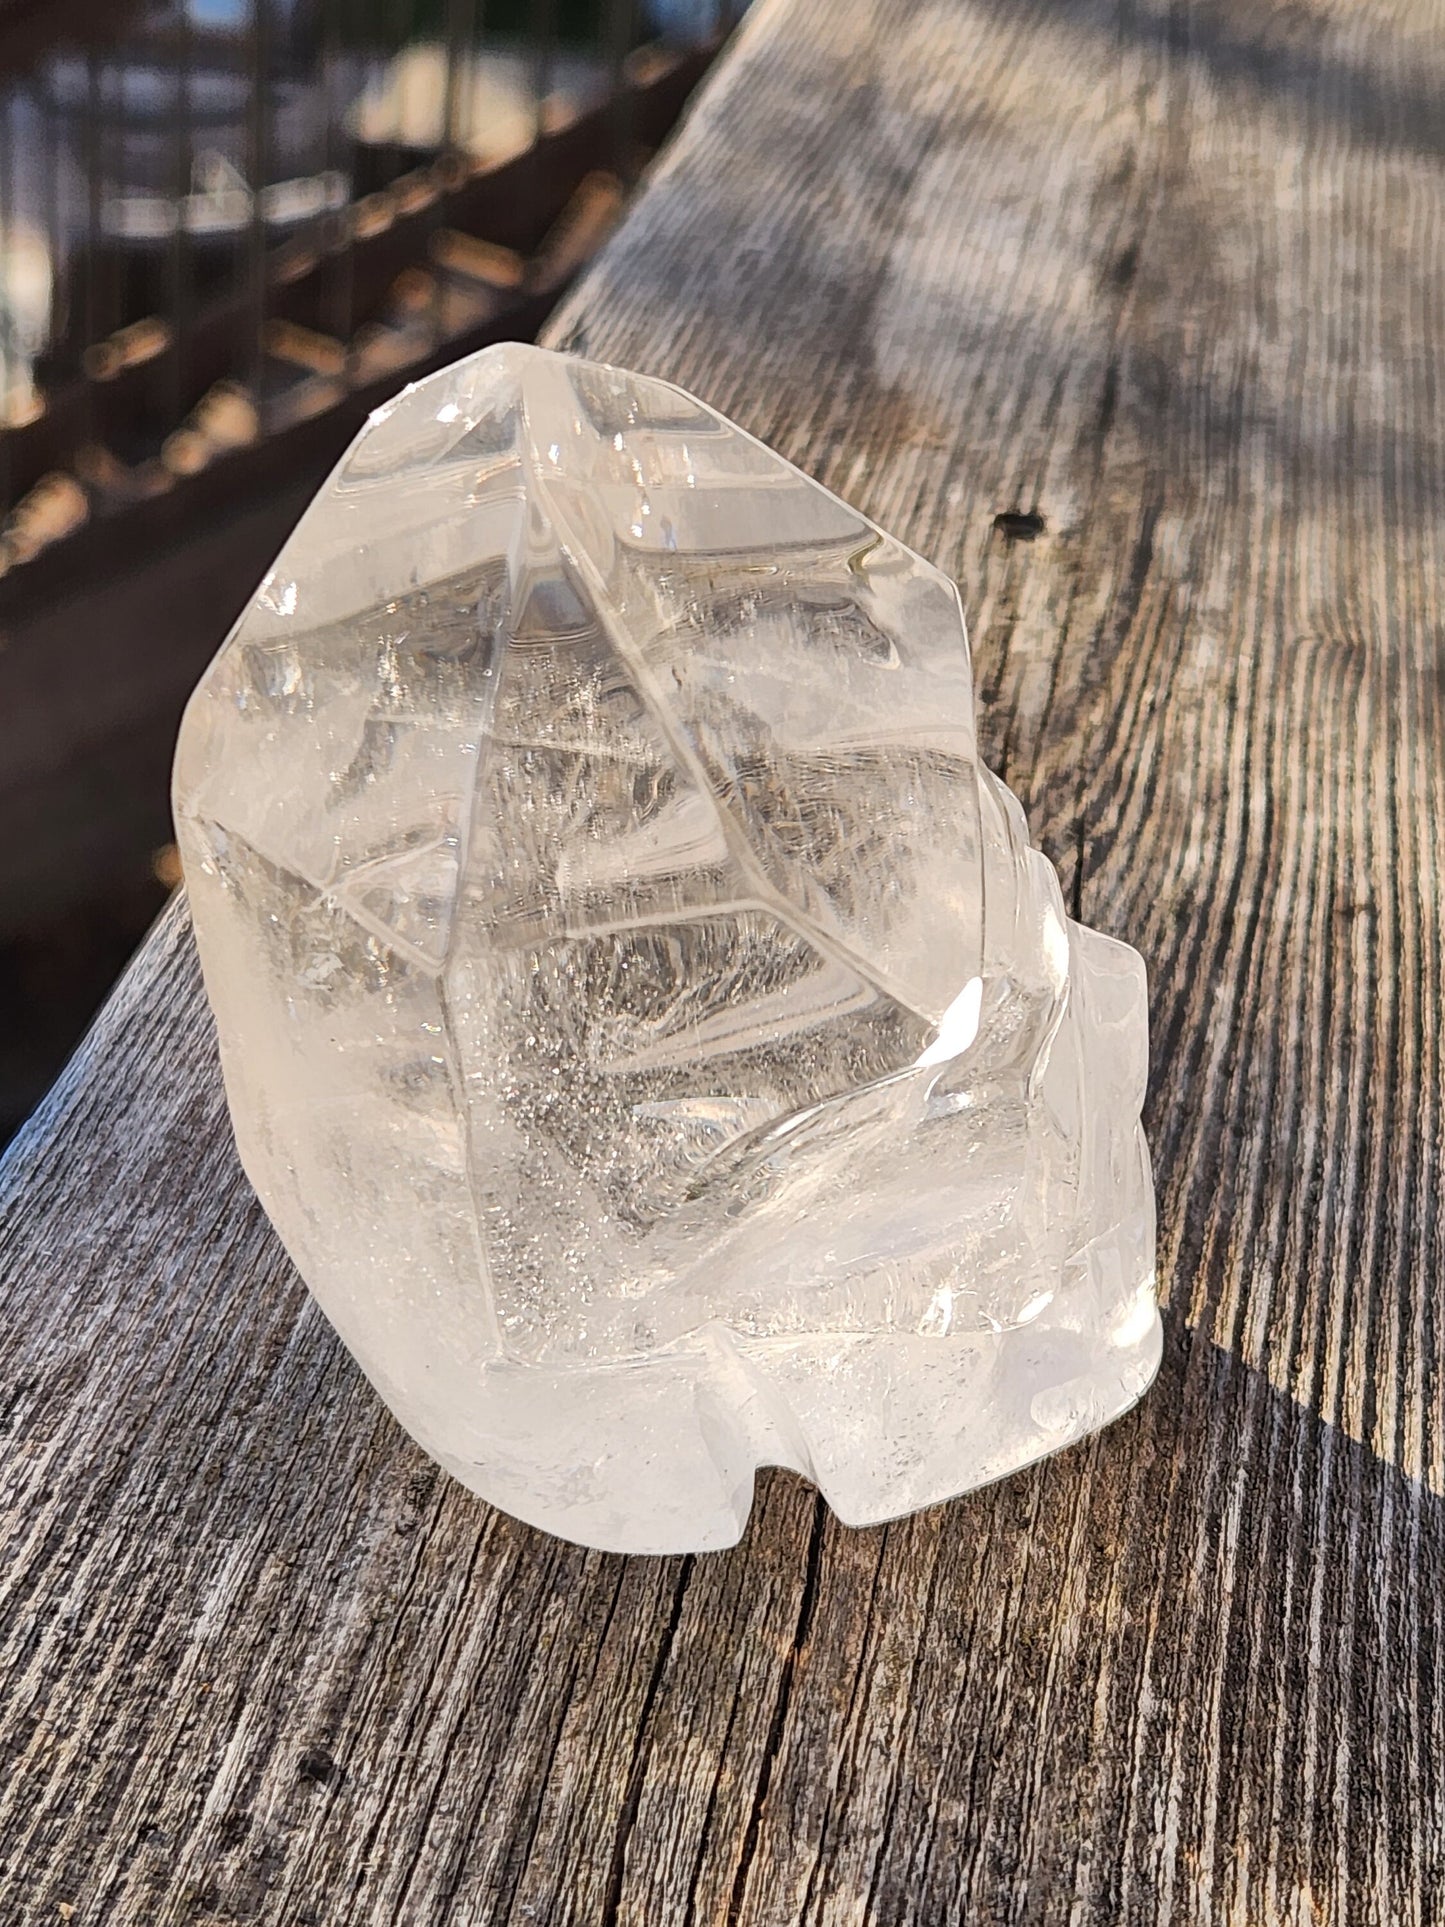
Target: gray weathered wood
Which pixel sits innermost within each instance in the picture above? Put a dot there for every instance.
(1173, 277)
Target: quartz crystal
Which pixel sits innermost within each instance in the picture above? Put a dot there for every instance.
(643, 1017)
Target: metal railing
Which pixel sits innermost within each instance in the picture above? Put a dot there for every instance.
(221, 218)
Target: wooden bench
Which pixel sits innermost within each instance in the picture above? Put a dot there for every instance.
(1130, 316)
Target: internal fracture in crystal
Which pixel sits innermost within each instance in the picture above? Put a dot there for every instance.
(643, 1016)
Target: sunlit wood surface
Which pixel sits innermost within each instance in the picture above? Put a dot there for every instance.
(1164, 287)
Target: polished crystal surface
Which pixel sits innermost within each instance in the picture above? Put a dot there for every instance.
(643, 1017)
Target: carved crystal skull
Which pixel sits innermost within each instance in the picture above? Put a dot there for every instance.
(643, 1018)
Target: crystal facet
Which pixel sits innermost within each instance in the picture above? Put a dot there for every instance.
(643, 1017)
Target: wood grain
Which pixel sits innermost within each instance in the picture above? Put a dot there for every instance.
(1172, 278)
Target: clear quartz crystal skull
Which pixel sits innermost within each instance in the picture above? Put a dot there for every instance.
(643, 1017)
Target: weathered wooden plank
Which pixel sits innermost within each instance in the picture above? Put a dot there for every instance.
(1169, 277)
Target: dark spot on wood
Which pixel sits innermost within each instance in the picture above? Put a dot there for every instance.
(18, 1395)
(1126, 608)
(1108, 401)
(1019, 525)
(317, 1766)
(232, 1831)
(1124, 267)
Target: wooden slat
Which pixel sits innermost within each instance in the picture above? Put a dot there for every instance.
(1171, 277)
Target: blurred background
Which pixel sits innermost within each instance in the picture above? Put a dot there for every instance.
(228, 229)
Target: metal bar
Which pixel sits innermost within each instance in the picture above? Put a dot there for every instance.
(116, 168)
(340, 301)
(258, 170)
(460, 28)
(402, 22)
(55, 239)
(8, 293)
(544, 15)
(92, 152)
(94, 164)
(461, 34)
(178, 292)
(620, 30)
